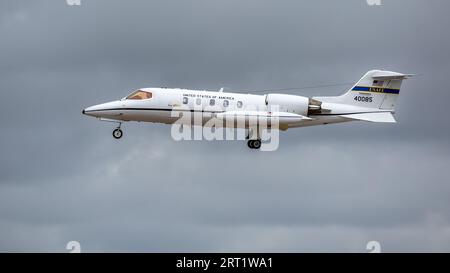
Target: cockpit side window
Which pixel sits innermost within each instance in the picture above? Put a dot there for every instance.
(139, 95)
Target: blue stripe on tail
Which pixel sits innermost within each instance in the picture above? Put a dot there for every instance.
(376, 89)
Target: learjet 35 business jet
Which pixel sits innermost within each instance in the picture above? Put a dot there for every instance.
(371, 99)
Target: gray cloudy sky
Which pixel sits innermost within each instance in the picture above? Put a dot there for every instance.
(332, 188)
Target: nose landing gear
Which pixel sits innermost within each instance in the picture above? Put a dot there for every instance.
(117, 133)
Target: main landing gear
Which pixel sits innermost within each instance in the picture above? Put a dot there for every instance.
(117, 133)
(254, 143)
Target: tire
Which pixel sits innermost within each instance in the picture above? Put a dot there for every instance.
(256, 144)
(250, 144)
(117, 133)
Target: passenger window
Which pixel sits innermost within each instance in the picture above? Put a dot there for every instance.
(226, 103)
(212, 102)
(185, 100)
(198, 101)
(239, 104)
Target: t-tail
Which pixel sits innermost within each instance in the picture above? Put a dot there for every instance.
(376, 92)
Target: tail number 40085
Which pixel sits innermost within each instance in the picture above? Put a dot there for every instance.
(363, 99)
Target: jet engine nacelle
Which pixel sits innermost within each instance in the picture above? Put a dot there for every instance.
(288, 103)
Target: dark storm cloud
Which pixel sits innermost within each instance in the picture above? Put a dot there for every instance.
(332, 188)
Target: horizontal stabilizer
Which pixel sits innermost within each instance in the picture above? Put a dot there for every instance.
(387, 75)
(372, 117)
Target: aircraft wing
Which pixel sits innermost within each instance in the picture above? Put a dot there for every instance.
(283, 117)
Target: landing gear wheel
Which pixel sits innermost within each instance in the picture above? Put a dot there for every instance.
(117, 133)
(256, 144)
(250, 144)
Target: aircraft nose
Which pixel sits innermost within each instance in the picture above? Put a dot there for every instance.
(89, 110)
(105, 110)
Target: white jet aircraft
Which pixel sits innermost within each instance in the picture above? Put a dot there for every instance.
(371, 99)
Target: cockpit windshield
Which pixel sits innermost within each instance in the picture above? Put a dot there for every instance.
(139, 95)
